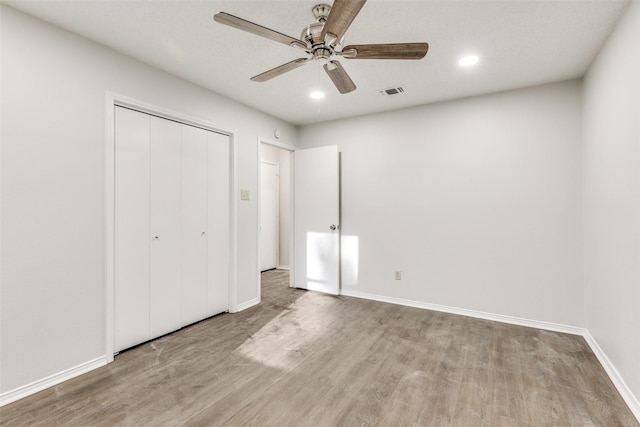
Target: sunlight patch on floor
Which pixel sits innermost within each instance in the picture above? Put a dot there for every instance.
(303, 323)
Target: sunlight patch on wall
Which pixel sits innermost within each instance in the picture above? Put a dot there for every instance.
(322, 249)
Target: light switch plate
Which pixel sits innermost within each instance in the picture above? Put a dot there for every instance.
(244, 194)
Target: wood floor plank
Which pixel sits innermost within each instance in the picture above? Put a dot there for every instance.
(307, 359)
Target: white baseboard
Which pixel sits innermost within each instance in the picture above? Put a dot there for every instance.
(614, 375)
(50, 381)
(628, 396)
(248, 304)
(283, 267)
(573, 330)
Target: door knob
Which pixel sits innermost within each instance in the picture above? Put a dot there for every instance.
(156, 237)
(333, 227)
(203, 234)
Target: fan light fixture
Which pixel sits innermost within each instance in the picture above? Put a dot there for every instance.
(322, 41)
(468, 60)
(316, 94)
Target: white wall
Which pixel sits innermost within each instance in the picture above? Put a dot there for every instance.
(269, 154)
(476, 201)
(612, 198)
(53, 139)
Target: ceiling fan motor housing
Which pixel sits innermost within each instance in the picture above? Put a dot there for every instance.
(322, 53)
(312, 34)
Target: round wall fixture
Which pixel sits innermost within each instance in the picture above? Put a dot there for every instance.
(276, 133)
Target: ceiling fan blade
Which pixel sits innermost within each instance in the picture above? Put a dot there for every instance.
(275, 72)
(341, 15)
(250, 27)
(385, 51)
(339, 77)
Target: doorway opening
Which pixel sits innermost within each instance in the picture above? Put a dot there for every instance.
(275, 207)
(308, 246)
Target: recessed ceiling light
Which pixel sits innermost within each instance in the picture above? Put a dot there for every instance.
(316, 94)
(468, 60)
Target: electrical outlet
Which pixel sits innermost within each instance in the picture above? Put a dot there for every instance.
(398, 275)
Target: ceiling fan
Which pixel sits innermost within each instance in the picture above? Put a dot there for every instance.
(324, 39)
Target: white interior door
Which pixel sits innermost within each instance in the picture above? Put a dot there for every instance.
(194, 224)
(269, 218)
(316, 210)
(131, 240)
(165, 212)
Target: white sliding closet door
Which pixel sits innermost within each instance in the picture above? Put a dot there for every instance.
(172, 226)
(194, 224)
(131, 299)
(164, 199)
(218, 220)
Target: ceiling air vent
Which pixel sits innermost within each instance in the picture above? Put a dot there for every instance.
(396, 90)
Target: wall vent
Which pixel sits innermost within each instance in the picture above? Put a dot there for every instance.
(396, 90)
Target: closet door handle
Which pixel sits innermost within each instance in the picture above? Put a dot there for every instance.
(156, 237)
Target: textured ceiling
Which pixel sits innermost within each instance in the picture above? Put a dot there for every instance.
(519, 42)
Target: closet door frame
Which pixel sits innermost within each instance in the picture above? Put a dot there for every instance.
(113, 100)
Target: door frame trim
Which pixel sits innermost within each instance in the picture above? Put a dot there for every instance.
(112, 100)
(290, 149)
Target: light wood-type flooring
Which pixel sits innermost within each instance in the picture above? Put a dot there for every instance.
(308, 359)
